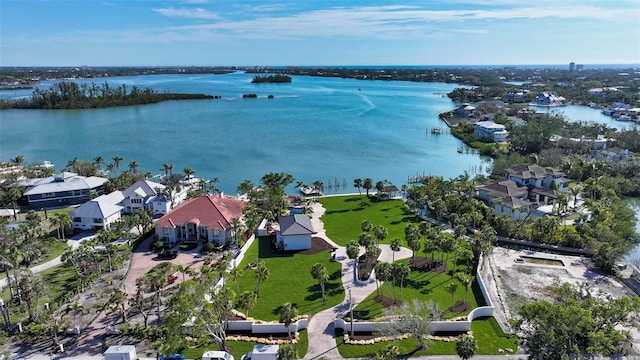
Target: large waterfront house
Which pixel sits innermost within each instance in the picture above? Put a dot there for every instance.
(150, 195)
(523, 190)
(489, 130)
(207, 218)
(614, 153)
(98, 213)
(548, 98)
(463, 111)
(295, 232)
(63, 189)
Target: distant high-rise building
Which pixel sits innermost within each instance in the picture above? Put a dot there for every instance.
(572, 66)
(579, 67)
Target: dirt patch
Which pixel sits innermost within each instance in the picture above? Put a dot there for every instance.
(386, 301)
(459, 307)
(317, 245)
(426, 264)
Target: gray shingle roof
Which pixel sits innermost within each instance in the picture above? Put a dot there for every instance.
(298, 224)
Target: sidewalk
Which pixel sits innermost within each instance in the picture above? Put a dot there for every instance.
(321, 330)
(74, 242)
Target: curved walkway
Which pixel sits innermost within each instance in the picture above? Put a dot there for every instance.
(321, 331)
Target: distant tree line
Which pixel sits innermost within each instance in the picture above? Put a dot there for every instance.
(271, 79)
(71, 95)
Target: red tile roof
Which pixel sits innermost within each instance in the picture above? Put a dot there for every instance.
(209, 211)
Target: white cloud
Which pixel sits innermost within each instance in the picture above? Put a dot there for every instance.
(193, 13)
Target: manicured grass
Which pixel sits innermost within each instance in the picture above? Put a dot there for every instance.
(345, 214)
(290, 281)
(490, 338)
(407, 348)
(242, 347)
(56, 250)
(486, 331)
(420, 285)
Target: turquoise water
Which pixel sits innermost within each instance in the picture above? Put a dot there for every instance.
(324, 129)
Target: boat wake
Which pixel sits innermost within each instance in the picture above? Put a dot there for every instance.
(370, 104)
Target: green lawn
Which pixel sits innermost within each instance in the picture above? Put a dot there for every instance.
(56, 250)
(290, 281)
(486, 331)
(240, 348)
(420, 285)
(345, 214)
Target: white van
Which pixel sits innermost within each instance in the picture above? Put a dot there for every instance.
(217, 355)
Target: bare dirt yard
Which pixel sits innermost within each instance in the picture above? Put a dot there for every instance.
(521, 281)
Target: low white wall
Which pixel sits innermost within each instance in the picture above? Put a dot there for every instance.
(262, 228)
(480, 282)
(240, 254)
(265, 328)
(369, 326)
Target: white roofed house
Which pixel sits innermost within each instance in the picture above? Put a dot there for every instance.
(489, 130)
(146, 194)
(98, 213)
(548, 98)
(295, 232)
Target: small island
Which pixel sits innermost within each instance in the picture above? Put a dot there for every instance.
(70, 95)
(271, 79)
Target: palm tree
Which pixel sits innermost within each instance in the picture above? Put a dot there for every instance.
(575, 190)
(235, 273)
(110, 249)
(189, 172)
(133, 166)
(61, 221)
(167, 168)
(466, 280)
(110, 168)
(466, 346)
(116, 161)
(98, 160)
(357, 183)
(451, 289)
(353, 249)
(262, 273)
(380, 232)
(396, 244)
(319, 272)
(18, 160)
(75, 308)
(288, 312)
(367, 185)
(366, 226)
(402, 270)
(247, 301)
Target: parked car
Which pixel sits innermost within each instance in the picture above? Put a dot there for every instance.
(168, 253)
(217, 355)
(173, 357)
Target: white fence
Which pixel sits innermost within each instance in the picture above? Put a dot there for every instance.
(258, 327)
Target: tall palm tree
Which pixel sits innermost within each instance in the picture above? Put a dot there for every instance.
(262, 273)
(133, 166)
(402, 271)
(367, 185)
(288, 312)
(319, 272)
(75, 308)
(110, 168)
(451, 289)
(61, 221)
(357, 183)
(189, 172)
(396, 245)
(98, 160)
(116, 161)
(247, 300)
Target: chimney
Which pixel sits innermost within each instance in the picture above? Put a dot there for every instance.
(221, 195)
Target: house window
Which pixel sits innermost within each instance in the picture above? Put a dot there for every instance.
(136, 201)
(48, 195)
(97, 220)
(77, 219)
(165, 231)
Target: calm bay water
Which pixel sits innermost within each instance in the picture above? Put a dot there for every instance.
(324, 129)
(585, 113)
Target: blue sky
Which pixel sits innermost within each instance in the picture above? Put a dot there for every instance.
(313, 32)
